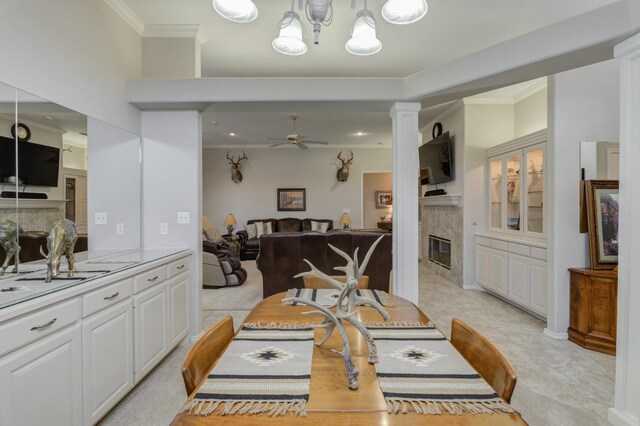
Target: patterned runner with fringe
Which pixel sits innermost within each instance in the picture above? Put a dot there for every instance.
(328, 297)
(265, 369)
(419, 368)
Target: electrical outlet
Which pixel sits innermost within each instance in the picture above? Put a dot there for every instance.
(183, 218)
(120, 229)
(164, 229)
(100, 218)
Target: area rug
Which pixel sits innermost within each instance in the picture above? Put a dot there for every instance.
(419, 368)
(329, 297)
(265, 370)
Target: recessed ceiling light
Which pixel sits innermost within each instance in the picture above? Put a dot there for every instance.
(359, 133)
(232, 134)
(214, 122)
(48, 117)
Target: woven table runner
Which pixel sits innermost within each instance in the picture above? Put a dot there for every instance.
(265, 369)
(419, 367)
(329, 297)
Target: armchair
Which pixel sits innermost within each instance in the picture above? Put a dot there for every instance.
(220, 268)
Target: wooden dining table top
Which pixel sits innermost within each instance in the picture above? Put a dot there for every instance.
(331, 402)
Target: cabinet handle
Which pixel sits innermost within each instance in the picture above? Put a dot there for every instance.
(45, 325)
(180, 267)
(113, 296)
(152, 279)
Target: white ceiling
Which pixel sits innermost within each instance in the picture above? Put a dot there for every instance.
(451, 29)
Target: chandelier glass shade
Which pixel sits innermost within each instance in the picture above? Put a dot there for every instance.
(363, 40)
(289, 40)
(403, 12)
(236, 10)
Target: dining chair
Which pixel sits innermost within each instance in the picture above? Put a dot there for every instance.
(315, 282)
(485, 358)
(205, 352)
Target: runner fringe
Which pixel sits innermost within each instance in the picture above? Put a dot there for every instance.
(401, 406)
(398, 324)
(280, 325)
(253, 407)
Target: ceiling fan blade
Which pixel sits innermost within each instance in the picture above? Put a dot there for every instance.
(302, 146)
(316, 142)
(276, 139)
(278, 144)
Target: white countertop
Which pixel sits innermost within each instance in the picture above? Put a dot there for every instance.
(512, 239)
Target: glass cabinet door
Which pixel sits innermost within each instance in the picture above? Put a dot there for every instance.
(534, 159)
(496, 194)
(513, 193)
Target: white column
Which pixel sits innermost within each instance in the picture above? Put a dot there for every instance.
(406, 137)
(627, 398)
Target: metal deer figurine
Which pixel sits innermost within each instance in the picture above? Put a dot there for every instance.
(61, 240)
(345, 311)
(236, 176)
(9, 242)
(343, 172)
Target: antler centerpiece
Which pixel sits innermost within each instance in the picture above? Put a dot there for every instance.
(344, 311)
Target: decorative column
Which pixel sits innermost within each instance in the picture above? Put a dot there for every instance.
(406, 137)
(627, 395)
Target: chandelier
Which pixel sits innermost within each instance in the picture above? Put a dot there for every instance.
(319, 13)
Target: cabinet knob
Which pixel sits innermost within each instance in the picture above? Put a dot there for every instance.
(113, 296)
(45, 325)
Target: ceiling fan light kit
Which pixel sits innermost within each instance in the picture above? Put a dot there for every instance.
(236, 10)
(290, 40)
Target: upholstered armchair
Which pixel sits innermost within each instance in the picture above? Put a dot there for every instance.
(220, 268)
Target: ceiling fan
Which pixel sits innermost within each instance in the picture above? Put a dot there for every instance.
(295, 139)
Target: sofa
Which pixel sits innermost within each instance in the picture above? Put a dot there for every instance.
(250, 248)
(282, 253)
(31, 241)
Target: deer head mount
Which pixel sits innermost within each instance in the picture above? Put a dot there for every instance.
(236, 176)
(343, 172)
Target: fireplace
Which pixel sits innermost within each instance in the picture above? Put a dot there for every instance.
(440, 251)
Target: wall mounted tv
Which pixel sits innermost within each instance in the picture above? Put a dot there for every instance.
(436, 161)
(38, 164)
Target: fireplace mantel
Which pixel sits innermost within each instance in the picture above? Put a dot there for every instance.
(10, 203)
(441, 201)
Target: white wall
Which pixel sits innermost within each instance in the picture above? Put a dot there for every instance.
(530, 114)
(77, 53)
(74, 159)
(172, 183)
(268, 169)
(164, 57)
(583, 106)
(371, 183)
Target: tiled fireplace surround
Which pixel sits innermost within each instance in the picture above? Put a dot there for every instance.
(444, 222)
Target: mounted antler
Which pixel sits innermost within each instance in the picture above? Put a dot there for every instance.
(343, 172)
(236, 176)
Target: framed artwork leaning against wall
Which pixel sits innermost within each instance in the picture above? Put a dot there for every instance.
(602, 202)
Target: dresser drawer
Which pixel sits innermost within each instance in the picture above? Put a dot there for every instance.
(500, 245)
(106, 296)
(519, 249)
(539, 253)
(149, 279)
(34, 326)
(483, 241)
(178, 267)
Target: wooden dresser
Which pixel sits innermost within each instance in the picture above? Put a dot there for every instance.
(594, 307)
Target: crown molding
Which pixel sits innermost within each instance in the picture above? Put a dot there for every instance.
(522, 142)
(488, 101)
(256, 146)
(456, 106)
(175, 31)
(121, 8)
(539, 85)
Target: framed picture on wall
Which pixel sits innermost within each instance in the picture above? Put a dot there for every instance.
(292, 199)
(602, 221)
(384, 199)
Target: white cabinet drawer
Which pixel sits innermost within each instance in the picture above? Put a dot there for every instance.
(519, 249)
(149, 279)
(500, 245)
(106, 296)
(178, 267)
(539, 253)
(483, 241)
(24, 330)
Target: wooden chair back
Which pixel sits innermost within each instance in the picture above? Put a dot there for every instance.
(315, 282)
(205, 352)
(485, 358)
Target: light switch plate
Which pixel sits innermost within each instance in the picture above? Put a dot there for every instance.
(183, 218)
(120, 229)
(100, 218)
(164, 229)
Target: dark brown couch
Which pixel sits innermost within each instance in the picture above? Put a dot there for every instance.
(31, 241)
(250, 248)
(281, 257)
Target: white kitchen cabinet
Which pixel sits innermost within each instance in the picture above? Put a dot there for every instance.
(178, 298)
(538, 286)
(498, 272)
(41, 384)
(483, 266)
(150, 329)
(518, 282)
(107, 359)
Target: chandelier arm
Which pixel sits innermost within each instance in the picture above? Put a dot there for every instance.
(329, 20)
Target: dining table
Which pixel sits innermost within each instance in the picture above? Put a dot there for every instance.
(331, 401)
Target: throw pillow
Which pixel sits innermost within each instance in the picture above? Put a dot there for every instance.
(252, 231)
(268, 229)
(259, 229)
(319, 226)
(213, 235)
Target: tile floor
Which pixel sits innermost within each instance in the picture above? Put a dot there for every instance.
(559, 383)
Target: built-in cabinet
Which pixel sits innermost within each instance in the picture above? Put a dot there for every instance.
(514, 270)
(70, 362)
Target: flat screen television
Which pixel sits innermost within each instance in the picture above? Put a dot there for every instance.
(436, 161)
(38, 165)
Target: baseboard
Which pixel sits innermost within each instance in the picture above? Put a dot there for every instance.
(472, 287)
(555, 335)
(196, 337)
(622, 418)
